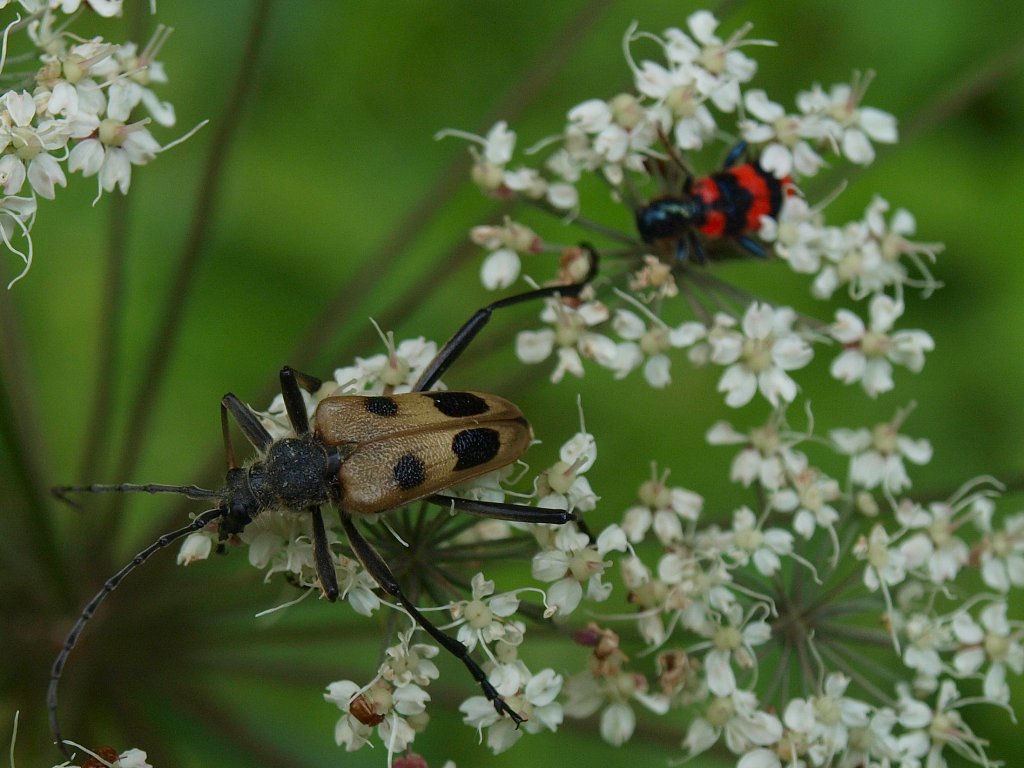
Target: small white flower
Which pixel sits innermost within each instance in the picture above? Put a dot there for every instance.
(662, 509)
(932, 728)
(886, 565)
(869, 353)
(30, 145)
(480, 620)
(995, 641)
(654, 342)
(809, 497)
(845, 122)
(759, 356)
(877, 454)
(399, 369)
(893, 245)
(570, 560)
(535, 701)
(1002, 553)
(784, 137)
(732, 639)
(752, 543)
(797, 234)
(736, 718)
(611, 688)
(935, 547)
(571, 337)
(767, 457)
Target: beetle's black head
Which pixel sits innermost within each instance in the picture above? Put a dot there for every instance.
(238, 505)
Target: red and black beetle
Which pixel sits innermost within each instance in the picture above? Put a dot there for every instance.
(727, 204)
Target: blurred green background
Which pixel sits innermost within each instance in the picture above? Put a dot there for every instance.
(333, 204)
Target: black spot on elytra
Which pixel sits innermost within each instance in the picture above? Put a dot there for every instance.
(456, 404)
(381, 406)
(409, 472)
(474, 447)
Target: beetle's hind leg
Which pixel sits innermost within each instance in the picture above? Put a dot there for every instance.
(379, 570)
(751, 246)
(497, 510)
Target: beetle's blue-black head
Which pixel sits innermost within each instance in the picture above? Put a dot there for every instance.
(668, 218)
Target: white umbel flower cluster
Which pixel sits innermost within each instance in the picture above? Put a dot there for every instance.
(84, 106)
(808, 611)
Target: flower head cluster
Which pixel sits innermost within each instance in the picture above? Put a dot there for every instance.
(760, 616)
(85, 107)
(641, 143)
(769, 617)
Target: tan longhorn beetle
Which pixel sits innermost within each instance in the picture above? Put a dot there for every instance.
(364, 455)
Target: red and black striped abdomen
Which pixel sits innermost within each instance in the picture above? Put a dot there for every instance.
(735, 199)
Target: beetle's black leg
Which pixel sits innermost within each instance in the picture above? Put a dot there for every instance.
(457, 344)
(291, 380)
(751, 246)
(682, 249)
(247, 421)
(309, 383)
(520, 513)
(377, 568)
(499, 511)
(322, 556)
(735, 154)
(293, 401)
(694, 248)
(109, 586)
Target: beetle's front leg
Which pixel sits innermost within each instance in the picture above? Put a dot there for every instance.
(464, 336)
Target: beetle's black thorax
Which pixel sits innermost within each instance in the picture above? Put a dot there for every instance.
(295, 473)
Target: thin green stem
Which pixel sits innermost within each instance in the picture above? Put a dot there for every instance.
(501, 549)
(873, 637)
(782, 671)
(852, 669)
(98, 434)
(24, 451)
(165, 338)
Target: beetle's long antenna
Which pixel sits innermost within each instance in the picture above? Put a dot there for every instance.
(192, 491)
(109, 586)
